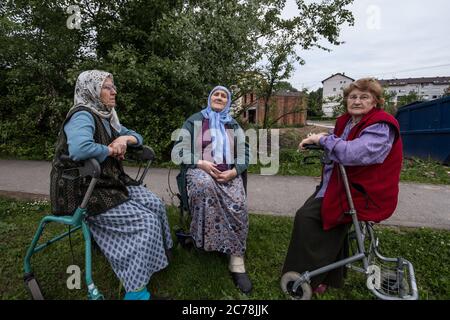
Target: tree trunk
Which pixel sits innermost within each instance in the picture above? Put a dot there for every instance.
(267, 96)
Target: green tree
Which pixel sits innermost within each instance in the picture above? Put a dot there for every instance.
(165, 55)
(36, 51)
(389, 104)
(284, 86)
(315, 103)
(316, 23)
(412, 96)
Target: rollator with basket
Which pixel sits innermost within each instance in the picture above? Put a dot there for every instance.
(387, 278)
(87, 169)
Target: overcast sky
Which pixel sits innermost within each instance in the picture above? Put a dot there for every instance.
(390, 39)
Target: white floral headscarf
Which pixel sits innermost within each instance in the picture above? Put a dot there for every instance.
(87, 93)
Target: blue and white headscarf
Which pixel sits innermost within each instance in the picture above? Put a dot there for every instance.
(217, 121)
(87, 93)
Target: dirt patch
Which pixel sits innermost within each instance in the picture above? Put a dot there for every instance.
(17, 195)
(291, 137)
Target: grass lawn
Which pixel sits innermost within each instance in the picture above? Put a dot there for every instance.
(198, 275)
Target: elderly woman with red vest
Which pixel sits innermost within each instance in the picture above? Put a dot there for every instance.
(366, 140)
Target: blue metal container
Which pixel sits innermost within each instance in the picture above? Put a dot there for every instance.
(425, 129)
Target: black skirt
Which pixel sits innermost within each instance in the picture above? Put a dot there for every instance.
(311, 247)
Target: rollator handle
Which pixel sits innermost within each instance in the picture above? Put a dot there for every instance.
(312, 146)
(324, 159)
(148, 153)
(143, 153)
(89, 167)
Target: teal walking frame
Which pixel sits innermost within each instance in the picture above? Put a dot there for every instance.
(90, 168)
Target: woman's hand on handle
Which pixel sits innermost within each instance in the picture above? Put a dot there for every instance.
(312, 138)
(115, 152)
(118, 147)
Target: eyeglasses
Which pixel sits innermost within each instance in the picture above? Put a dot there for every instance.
(110, 88)
(363, 97)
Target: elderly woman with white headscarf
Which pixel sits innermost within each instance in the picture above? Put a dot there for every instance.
(211, 183)
(127, 221)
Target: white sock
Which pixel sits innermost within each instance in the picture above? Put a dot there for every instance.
(236, 264)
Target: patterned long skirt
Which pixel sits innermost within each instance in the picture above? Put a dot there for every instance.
(219, 213)
(133, 236)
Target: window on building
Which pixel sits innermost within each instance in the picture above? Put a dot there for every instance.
(334, 89)
(251, 116)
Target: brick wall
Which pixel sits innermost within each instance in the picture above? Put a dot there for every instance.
(282, 104)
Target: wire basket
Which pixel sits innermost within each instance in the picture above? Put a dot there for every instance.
(392, 278)
(387, 278)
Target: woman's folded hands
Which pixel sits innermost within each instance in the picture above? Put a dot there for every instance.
(211, 168)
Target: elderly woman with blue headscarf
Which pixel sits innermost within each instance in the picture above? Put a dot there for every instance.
(127, 221)
(211, 182)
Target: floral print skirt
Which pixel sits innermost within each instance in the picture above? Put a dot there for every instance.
(219, 213)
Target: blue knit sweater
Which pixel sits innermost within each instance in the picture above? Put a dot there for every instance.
(80, 137)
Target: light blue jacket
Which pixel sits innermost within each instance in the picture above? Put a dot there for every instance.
(80, 131)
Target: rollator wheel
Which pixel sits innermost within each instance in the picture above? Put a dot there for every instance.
(303, 292)
(33, 287)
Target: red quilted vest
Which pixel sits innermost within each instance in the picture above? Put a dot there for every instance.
(374, 188)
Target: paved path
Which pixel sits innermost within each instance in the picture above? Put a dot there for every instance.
(325, 124)
(419, 204)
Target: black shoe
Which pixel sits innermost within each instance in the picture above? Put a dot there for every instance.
(169, 254)
(242, 281)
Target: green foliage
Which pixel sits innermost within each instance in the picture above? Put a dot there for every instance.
(424, 171)
(339, 108)
(389, 105)
(316, 23)
(412, 96)
(315, 103)
(34, 91)
(284, 86)
(293, 163)
(165, 57)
